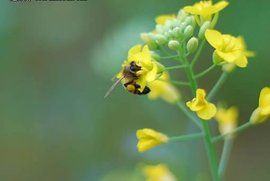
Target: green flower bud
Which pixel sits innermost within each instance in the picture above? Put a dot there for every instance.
(190, 21)
(181, 15)
(155, 56)
(173, 44)
(203, 28)
(161, 39)
(192, 45)
(159, 29)
(188, 32)
(149, 38)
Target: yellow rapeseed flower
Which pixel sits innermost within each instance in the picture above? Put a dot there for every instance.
(150, 68)
(204, 109)
(158, 172)
(227, 119)
(228, 48)
(161, 20)
(164, 89)
(262, 113)
(205, 9)
(149, 138)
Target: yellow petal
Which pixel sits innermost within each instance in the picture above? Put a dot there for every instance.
(152, 75)
(148, 138)
(241, 61)
(135, 49)
(161, 20)
(214, 38)
(207, 112)
(229, 56)
(219, 6)
(264, 101)
(163, 89)
(191, 10)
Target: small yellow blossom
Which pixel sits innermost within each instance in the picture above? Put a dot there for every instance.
(227, 119)
(228, 48)
(161, 20)
(148, 138)
(158, 172)
(205, 9)
(164, 89)
(150, 68)
(262, 113)
(204, 109)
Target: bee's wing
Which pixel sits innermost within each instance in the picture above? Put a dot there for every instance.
(113, 86)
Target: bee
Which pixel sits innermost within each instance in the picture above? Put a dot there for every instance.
(130, 76)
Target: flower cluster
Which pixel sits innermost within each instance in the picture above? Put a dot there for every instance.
(181, 38)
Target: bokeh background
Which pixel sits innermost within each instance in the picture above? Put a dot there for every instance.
(57, 61)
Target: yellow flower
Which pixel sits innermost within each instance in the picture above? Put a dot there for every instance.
(158, 172)
(228, 48)
(150, 68)
(227, 119)
(262, 113)
(204, 109)
(164, 89)
(205, 9)
(148, 138)
(161, 20)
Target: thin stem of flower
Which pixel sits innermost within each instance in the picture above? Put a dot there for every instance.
(169, 57)
(211, 151)
(180, 83)
(189, 72)
(196, 56)
(167, 53)
(210, 147)
(225, 156)
(217, 86)
(187, 137)
(203, 73)
(236, 130)
(189, 114)
(175, 67)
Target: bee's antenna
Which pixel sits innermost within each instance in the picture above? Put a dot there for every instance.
(112, 87)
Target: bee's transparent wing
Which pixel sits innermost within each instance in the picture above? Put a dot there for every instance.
(113, 86)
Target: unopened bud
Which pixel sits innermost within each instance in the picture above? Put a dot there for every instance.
(173, 44)
(149, 40)
(257, 117)
(188, 32)
(190, 21)
(161, 39)
(155, 56)
(192, 45)
(203, 28)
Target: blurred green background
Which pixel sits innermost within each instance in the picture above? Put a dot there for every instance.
(57, 61)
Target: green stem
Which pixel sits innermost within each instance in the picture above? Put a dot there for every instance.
(186, 137)
(236, 130)
(203, 73)
(225, 156)
(217, 86)
(195, 58)
(210, 147)
(175, 67)
(169, 57)
(190, 74)
(211, 151)
(189, 114)
(180, 83)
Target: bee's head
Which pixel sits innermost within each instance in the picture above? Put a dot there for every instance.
(133, 67)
